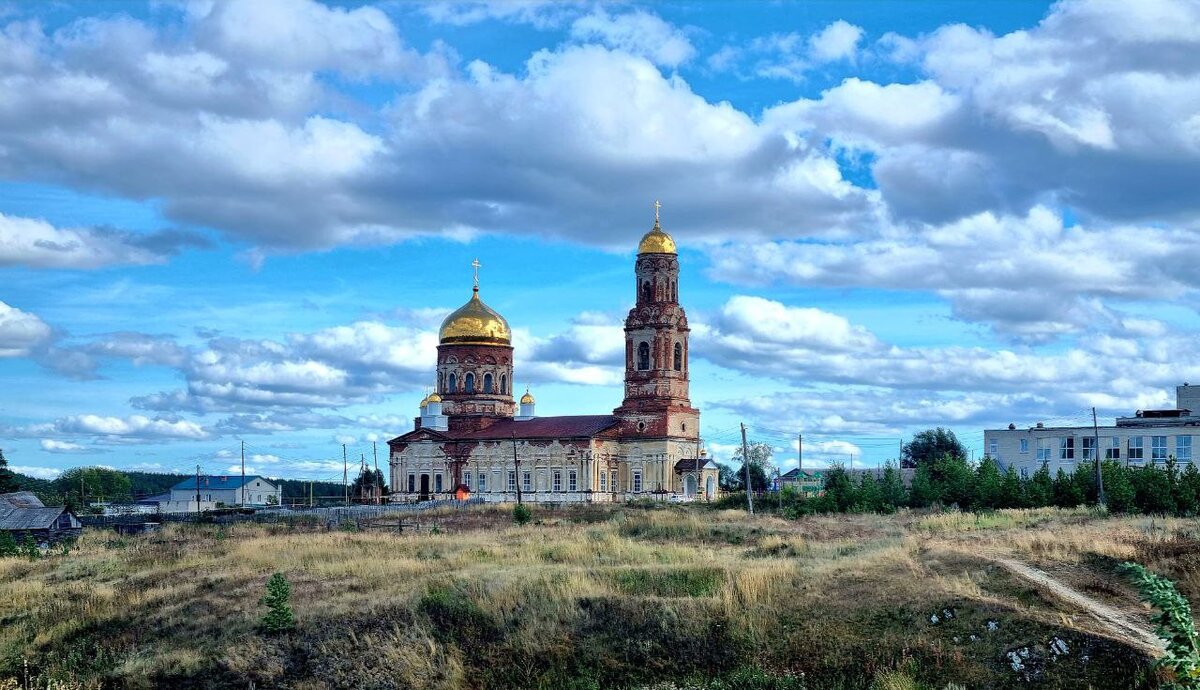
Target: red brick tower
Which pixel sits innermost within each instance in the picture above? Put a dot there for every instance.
(656, 348)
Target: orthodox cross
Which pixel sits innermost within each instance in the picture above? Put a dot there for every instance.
(476, 265)
(656, 207)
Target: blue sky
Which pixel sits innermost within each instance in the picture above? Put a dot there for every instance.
(243, 221)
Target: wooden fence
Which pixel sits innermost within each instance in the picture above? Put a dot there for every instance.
(329, 517)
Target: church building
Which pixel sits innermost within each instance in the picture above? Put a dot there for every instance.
(473, 438)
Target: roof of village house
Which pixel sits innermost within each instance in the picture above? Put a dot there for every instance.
(217, 483)
(24, 511)
(796, 473)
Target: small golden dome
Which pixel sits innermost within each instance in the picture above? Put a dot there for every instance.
(527, 399)
(424, 402)
(475, 323)
(656, 242)
(433, 398)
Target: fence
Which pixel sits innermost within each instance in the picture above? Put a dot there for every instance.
(329, 516)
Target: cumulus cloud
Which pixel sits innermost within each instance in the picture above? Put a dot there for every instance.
(112, 430)
(37, 472)
(789, 56)
(38, 244)
(638, 32)
(837, 41)
(20, 332)
(53, 446)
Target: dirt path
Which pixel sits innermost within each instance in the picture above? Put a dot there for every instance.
(1118, 623)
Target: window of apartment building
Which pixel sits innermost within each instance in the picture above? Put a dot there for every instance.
(1158, 448)
(637, 481)
(467, 481)
(1025, 446)
(1183, 448)
(992, 447)
(1066, 448)
(1113, 452)
(1087, 448)
(482, 482)
(557, 480)
(526, 481)
(437, 482)
(1135, 448)
(1043, 450)
(512, 481)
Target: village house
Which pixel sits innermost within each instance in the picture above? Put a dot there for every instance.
(22, 513)
(221, 492)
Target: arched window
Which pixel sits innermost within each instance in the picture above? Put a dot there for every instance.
(487, 383)
(469, 383)
(452, 387)
(440, 389)
(678, 357)
(503, 384)
(647, 292)
(643, 361)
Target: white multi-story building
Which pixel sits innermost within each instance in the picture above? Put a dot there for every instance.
(1151, 436)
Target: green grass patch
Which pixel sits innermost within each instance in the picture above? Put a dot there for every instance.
(669, 582)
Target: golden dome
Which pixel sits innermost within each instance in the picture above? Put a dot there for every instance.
(475, 323)
(424, 402)
(433, 398)
(527, 399)
(656, 242)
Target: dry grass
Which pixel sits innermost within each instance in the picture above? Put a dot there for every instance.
(612, 597)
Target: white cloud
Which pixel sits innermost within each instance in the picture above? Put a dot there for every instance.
(133, 428)
(541, 14)
(20, 332)
(837, 41)
(52, 446)
(37, 472)
(638, 32)
(36, 243)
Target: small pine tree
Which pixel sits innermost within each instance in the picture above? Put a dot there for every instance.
(1011, 493)
(279, 614)
(1188, 501)
(1066, 493)
(8, 545)
(988, 485)
(522, 514)
(870, 496)
(1040, 491)
(1118, 491)
(892, 488)
(1173, 624)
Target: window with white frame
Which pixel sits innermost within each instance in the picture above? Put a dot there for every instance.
(512, 481)
(557, 480)
(1183, 448)
(604, 481)
(1113, 452)
(482, 482)
(637, 481)
(1043, 450)
(467, 481)
(993, 445)
(572, 481)
(1087, 447)
(1066, 448)
(526, 481)
(437, 482)
(1136, 448)
(613, 481)
(1025, 446)
(1158, 448)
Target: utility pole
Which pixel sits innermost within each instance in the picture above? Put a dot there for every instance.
(197, 491)
(310, 496)
(800, 452)
(698, 480)
(243, 474)
(1096, 450)
(516, 468)
(378, 477)
(345, 475)
(746, 466)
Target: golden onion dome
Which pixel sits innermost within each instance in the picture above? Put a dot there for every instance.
(656, 242)
(527, 399)
(433, 398)
(424, 402)
(475, 323)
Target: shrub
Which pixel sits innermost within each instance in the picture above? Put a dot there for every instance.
(8, 545)
(29, 548)
(1173, 623)
(522, 514)
(279, 614)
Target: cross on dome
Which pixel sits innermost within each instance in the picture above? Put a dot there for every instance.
(475, 264)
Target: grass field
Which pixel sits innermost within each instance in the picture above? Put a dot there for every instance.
(598, 598)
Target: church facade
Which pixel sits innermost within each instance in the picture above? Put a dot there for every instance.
(474, 438)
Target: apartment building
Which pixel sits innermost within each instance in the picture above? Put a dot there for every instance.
(1150, 436)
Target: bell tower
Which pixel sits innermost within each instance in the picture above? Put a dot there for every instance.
(656, 401)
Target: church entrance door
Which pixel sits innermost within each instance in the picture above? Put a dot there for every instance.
(424, 488)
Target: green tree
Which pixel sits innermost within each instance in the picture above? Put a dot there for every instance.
(8, 545)
(761, 465)
(522, 514)
(86, 484)
(839, 489)
(1173, 624)
(1118, 490)
(870, 495)
(1188, 500)
(923, 493)
(727, 478)
(1040, 491)
(1066, 493)
(8, 480)
(1012, 494)
(368, 483)
(1084, 479)
(988, 482)
(932, 445)
(953, 480)
(1152, 490)
(892, 489)
(279, 616)
(29, 548)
